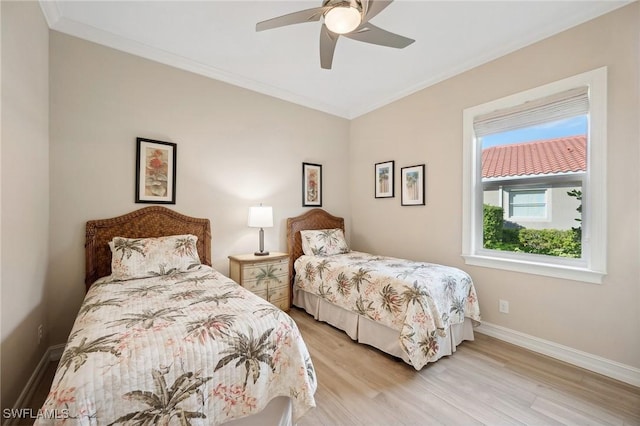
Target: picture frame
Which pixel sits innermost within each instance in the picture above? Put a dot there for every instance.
(311, 185)
(384, 180)
(155, 171)
(412, 187)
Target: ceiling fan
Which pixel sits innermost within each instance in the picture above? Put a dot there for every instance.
(342, 18)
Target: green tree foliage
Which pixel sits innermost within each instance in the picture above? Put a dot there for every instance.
(577, 194)
(492, 224)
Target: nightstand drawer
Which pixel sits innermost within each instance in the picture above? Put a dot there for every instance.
(256, 285)
(280, 300)
(261, 271)
(277, 292)
(272, 293)
(281, 303)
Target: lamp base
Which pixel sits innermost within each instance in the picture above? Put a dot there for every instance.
(261, 253)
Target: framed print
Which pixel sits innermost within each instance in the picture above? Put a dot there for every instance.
(311, 185)
(155, 172)
(384, 180)
(412, 186)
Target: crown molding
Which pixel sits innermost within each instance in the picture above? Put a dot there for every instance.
(59, 23)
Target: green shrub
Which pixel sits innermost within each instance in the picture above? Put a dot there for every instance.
(511, 235)
(492, 224)
(551, 242)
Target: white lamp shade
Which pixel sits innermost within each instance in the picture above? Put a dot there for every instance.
(260, 217)
(342, 20)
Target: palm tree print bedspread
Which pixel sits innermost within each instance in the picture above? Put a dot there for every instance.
(420, 300)
(192, 348)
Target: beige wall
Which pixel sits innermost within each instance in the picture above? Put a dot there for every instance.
(426, 127)
(235, 148)
(25, 192)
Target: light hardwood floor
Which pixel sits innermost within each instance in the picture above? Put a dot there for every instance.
(486, 381)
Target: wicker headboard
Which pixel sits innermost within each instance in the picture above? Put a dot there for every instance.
(313, 219)
(155, 221)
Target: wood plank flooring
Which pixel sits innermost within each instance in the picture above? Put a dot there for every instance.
(486, 382)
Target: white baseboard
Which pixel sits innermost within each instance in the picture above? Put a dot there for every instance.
(53, 353)
(606, 367)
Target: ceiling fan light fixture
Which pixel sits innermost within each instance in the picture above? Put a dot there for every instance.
(342, 19)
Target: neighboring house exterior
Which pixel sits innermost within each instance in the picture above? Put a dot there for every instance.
(530, 181)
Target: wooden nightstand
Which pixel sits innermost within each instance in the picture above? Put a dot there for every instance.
(267, 276)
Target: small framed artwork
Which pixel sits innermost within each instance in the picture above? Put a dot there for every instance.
(412, 186)
(311, 185)
(155, 171)
(384, 180)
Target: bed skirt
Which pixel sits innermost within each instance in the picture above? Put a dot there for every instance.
(279, 412)
(364, 330)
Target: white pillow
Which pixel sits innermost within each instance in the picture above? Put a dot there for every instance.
(324, 242)
(146, 257)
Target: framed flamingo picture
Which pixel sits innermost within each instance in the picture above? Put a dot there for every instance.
(155, 171)
(412, 186)
(384, 186)
(311, 185)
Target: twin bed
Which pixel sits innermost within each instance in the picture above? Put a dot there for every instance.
(416, 311)
(162, 337)
(174, 341)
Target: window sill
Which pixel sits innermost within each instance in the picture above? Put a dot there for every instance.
(567, 272)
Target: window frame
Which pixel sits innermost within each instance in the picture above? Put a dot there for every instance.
(592, 266)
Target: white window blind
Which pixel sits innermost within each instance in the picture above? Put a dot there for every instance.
(567, 104)
(529, 203)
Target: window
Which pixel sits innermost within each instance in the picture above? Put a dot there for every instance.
(532, 184)
(528, 204)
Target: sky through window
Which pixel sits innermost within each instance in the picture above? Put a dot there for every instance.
(556, 129)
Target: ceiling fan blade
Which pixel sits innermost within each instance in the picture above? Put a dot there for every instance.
(372, 7)
(328, 42)
(302, 16)
(369, 33)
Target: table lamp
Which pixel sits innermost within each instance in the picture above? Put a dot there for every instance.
(261, 217)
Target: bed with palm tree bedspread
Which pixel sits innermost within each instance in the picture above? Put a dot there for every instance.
(182, 344)
(416, 311)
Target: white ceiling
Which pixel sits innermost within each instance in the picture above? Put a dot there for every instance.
(218, 39)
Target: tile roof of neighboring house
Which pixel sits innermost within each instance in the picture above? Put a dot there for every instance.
(549, 156)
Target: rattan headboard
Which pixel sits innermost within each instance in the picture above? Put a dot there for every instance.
(313, 219)
(155, 221)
